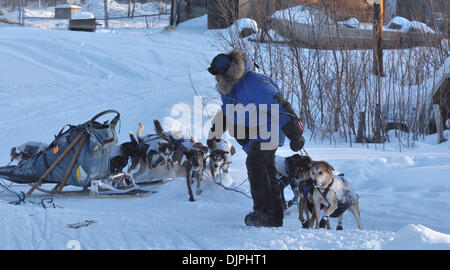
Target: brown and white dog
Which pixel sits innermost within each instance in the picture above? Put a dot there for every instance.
(194, 163)
(295, 171)
(333, 192)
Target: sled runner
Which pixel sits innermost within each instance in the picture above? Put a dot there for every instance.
(79, 157)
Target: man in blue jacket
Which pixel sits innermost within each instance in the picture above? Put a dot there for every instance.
(257, 115)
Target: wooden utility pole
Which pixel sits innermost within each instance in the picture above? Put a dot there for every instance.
(106, 13)
(378, 37)
(378, 61)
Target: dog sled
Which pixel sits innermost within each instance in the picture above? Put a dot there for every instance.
(78, 156)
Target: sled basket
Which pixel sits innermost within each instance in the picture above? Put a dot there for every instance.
(77, 156)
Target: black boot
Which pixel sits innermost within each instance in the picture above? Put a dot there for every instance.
(258, 219)
(264, 187)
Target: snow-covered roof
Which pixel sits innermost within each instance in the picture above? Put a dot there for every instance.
(435, 83)
(442, 74)
(67, 6)
(82, 15)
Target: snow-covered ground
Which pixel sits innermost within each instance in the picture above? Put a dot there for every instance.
(44, 17)
(49, 78)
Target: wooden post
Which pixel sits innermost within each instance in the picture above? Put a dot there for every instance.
(439, 124)
(378, 37)
(361, 127)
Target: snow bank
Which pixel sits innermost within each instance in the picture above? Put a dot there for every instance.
(402, 24)
(246, 23)
(243, 27)
(302, 14)
(416, 236)
(351, 23)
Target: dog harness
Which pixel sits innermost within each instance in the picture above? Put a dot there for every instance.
(342, 205)
(326, 190)
(306, 189)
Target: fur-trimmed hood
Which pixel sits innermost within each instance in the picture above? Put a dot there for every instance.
(238, 68)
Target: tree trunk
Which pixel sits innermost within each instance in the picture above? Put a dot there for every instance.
(377, 137)
(172, 13)
(361, 127)
(134, 8)
(390, 11)
(439, 124)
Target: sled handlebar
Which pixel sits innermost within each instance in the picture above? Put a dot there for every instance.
(113, 122)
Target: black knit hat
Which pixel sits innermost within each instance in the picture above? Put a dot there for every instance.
(220, 64)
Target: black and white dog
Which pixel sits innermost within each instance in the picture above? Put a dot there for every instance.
(292, 171)
(221, 157)
(145, 152)
(120, 155)
(155, 150)
(27, 150)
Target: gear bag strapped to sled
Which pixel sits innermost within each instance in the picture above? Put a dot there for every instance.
(76, 156)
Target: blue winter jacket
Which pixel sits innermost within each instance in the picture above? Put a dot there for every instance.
(256, 88)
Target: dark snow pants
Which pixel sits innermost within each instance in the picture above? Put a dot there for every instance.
(265, 189)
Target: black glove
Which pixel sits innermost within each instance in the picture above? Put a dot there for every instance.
(294, 131)
(297, 145)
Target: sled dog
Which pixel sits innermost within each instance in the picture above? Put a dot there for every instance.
(120, 155)
(335, 193)
(221, 157)
(26, 150)
(294, 171)
(194, 163)
(154, 150)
